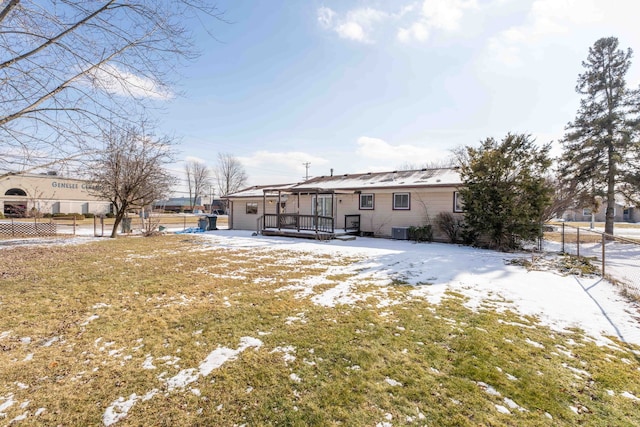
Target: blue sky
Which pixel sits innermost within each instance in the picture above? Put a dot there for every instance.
(363, 85)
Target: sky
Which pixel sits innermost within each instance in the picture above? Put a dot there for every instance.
(366, 85)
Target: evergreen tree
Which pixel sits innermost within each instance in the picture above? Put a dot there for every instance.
(505, 192)
(598, 141)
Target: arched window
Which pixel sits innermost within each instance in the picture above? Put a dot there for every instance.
(15, 192)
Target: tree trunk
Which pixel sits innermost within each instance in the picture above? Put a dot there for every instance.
(611, 189)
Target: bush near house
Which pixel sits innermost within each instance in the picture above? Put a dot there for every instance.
(421, 234)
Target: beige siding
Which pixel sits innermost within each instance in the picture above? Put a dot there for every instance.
(242, 220)
(425, 204)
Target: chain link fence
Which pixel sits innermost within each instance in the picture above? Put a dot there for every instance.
(616, 258)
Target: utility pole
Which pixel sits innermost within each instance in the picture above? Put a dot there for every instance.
(306, 166)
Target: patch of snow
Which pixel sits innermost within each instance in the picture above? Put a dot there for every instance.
(295, 378)
(39, 412)
(19, 418)
(90, 319)
(118, 409)
(629, 395)
(502, 409)
(50, 341)
(8, 402)
(488, 389)
(287, 356)
(392, 382)
(513, 405)
(148, 363)
(534, 343)
(559, 302)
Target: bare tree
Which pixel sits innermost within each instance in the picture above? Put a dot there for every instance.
(70, 70)
(230, 174)
(130, 172)
(198, 179)
(431, 164)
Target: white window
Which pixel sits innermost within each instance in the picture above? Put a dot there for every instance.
(252, 208)
(401, 201)
(366, 201)
(458, 203)
(586, 212)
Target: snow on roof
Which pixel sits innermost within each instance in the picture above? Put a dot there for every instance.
(258, 190)
(363, 181)
(410, 178)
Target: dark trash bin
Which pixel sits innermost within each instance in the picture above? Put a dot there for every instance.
(212, 222)
(202, 223)
(125, 225)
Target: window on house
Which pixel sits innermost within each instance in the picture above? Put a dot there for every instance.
(586, 212)
(366, 201)
(458, 203)
(401, 201)
(252, 208)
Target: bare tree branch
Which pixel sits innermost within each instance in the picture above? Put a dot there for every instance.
(72, 70)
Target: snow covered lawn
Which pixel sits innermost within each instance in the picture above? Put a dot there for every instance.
(225, 328)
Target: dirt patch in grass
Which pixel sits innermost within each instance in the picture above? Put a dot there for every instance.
(168, 331)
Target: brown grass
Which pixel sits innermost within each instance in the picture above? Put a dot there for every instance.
(79, 323)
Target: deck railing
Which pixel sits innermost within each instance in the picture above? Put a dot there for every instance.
(324, 224)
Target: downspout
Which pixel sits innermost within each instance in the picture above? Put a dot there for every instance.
(317, 203)
(334, 212)
(264, 209)
(298, 213)
(278, 211)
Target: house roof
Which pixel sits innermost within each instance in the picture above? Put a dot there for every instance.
(362, 181)
(258, 190)
(395, 179)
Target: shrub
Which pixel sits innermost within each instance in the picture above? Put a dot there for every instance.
(450, 225)
(47, 215)
(421, 234)
(1, 215)
(89, 215)
(110, 215)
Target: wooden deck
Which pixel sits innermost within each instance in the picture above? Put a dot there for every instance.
(307, 226)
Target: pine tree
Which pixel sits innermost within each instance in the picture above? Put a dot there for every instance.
(596, 146)
(505, 192)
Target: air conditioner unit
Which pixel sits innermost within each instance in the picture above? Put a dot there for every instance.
(400, 233)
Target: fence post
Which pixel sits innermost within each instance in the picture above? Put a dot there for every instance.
(74, 225)
(578, 241)
(563, 238)
(185, 223)
(13, 228)
(603, 253)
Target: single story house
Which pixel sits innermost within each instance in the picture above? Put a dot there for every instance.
(381, 204)
(622, 212)
(37, 194)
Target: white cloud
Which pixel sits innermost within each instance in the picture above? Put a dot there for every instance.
(435, 15)
(419, 31)
(378, 149)
(357, 25)
(546, 18)
(325, 17)
(446, 14)
(120, 82)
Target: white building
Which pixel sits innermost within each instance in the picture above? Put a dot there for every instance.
(25, 194)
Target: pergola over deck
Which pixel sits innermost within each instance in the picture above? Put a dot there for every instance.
(304, 225)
